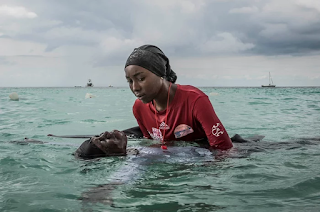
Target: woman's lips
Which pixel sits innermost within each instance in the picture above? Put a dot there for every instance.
(140, 96)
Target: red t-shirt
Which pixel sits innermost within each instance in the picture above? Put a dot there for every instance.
(190, 117)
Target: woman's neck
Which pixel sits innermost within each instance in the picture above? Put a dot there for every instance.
(161, 99)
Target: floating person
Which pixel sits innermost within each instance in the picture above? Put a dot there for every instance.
(139, 158)
(114, 143)
(14, 96)
(167, 111)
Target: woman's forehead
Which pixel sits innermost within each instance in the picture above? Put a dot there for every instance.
(134, 70)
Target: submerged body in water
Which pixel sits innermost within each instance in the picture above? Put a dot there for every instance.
(136, 165)
(139, 159)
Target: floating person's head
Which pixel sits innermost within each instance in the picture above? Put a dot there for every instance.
(112, 143)
(146, 68)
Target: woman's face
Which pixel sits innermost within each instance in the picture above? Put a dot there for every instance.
(144, 84)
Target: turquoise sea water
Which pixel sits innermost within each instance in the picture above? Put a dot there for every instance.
(47, 177)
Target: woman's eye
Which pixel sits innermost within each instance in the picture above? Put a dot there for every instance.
(129, 81)
(141, 79)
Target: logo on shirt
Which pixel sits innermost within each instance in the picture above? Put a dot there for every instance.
(164, 126)
(216, 131)
(156, 134)
(182, 130)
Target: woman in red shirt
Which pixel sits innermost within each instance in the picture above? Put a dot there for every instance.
(167, 111)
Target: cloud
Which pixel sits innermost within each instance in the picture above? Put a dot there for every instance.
(184, 6)
(5, 61)
(20, 47)
(310, 4)
(188, 28)
(86, 40)
(244, 10)
(225, 43)
(114, 51)
(16, 12)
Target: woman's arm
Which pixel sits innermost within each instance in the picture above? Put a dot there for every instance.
(136, 112)
(217, 135)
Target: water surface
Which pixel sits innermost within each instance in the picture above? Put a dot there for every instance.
(47, 177)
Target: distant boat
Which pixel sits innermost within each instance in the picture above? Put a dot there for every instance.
(89, 83)
(77, 86)
(271, 85)
(110, 86)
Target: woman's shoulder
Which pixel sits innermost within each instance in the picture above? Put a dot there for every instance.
(140, 106)
(190, 90)
(137, 107)
(138, 103)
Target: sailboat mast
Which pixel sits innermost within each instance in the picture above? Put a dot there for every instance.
(271, 85)
(270, 79)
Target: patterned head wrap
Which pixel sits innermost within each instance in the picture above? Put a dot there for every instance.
(153, 59)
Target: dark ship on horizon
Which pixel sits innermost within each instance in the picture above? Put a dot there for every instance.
(89, 83)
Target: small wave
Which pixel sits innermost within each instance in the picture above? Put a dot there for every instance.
(9, 161)
(92, 121)
(260, 103)
(47, 123)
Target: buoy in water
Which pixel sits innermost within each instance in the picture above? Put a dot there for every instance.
(213, 94)
(89, 95)
(14, 96)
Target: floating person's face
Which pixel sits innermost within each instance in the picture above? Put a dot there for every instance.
(111, 143)
(144, 84)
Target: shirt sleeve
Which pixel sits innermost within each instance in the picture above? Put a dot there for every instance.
(217, 135)
(142, 127)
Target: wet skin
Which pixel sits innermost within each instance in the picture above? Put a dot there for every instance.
(111, 143)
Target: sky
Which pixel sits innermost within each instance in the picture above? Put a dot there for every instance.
(59, 43)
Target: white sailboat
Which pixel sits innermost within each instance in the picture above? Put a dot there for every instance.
(271, 85)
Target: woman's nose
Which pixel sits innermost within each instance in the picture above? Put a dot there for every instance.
(135, 86)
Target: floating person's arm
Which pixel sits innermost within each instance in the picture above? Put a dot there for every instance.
(134, 132)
